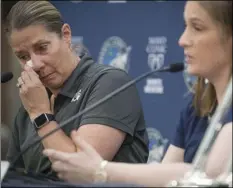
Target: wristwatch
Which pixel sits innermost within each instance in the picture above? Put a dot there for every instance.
(101, 174)
(42, 120)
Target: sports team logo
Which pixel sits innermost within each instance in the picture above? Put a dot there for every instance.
(115, 52)
(157, 145)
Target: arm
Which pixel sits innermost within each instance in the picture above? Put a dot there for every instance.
(106, 126)
(106, 140)
(58, 140)
(223, 145)
(35, 106)
(146, 174)
(13, 146)
(173, 155)
(74, 168)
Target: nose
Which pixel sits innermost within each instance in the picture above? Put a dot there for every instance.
(184, 40)
(36, 63)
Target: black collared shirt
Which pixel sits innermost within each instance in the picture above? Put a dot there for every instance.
(88, 83)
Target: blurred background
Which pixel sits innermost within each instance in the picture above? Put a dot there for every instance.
(136, 36)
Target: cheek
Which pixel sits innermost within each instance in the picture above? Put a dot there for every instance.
(209, 52)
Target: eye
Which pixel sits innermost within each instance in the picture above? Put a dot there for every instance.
(197, 27)
(23, 57)
(43, 47)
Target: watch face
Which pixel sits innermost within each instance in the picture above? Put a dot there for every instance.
(41, 120)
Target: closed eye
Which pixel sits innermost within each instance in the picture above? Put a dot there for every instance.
(42, 48)
(23, 57)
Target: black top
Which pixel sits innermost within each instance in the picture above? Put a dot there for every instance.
(88, 83)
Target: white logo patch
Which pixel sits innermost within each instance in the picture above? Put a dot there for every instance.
(76, 96)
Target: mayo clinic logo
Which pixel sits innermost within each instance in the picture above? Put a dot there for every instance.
(115, 52)
(157, 145)
(156, 49)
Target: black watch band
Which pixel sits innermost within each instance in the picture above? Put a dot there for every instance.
(42, 120)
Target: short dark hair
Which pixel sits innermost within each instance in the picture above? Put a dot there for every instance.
(26, 13)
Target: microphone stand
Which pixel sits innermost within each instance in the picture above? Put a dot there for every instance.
(197, 177)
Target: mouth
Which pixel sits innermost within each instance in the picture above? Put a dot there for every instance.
(188, 59)
(47, 77)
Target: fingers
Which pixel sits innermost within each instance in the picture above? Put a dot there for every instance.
(24, 82)
(31, 74)
(20, 82)
(28, 78)
(25, 77)
(64, 170)
(60, 166)
(57, 155)
(64, 176)
(61, 175)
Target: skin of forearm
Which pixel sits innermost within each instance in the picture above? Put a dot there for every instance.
(154, 174)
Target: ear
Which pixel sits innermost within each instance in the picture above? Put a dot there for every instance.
(66, 33)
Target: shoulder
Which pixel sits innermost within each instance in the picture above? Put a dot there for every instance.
(104, 74)
(108, 71)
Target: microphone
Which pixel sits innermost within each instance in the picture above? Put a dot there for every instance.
(176, 67)
(6, 76)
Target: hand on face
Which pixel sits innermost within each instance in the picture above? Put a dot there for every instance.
(33, 93)
(77, 167)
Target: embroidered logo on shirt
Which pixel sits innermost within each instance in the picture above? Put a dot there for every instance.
(76, 96)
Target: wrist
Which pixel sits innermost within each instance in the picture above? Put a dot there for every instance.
(41, 120)
(36, 114)
(100, 175)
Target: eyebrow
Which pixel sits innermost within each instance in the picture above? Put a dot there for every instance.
(17, 53)
(195, 19)
(42, 41)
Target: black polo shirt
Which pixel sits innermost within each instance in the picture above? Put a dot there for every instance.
(88, 83)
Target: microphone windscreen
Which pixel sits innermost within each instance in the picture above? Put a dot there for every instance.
(6, 76)
(176, 67)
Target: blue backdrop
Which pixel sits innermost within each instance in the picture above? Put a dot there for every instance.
(138, 37)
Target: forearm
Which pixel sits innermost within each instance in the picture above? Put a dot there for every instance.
(145, 174)
(58, 140)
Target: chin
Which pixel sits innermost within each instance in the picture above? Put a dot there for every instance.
(52, 84)
(193, 71)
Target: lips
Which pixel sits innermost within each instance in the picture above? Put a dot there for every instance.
(47, 76)
(188, 58)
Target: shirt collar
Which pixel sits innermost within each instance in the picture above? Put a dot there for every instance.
(71, 84)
